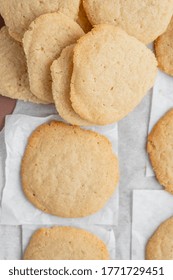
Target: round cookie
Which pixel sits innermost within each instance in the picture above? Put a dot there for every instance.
(65, 243)
(43, 43)
(160, 150)
(164, 50)
(145, 20)
(67, 171)
(112, 72)
(14, 81)
(82, 19)
(18, 14)
(61, 71)
(159, 246)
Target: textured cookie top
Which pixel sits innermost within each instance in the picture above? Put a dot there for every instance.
(18, 14)
(145, 20)
(160, 150)
(67, 171)
(112, 72)
(164, 50)
(14, 81)
(61, 70)
(43, 43)
(159, 246)
(65, 243)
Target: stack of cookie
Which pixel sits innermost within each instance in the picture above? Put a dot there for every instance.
(95, 78)
(91, 60)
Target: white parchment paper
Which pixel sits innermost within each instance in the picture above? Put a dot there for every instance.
(162, 101)
(35, 110)
(150, 209)
(2, 162)
(105, 234)
(16, 209)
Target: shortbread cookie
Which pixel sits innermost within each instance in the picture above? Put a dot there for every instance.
(13, 71)
(65, 243)
(82, 19)
(67, 171)
(112, 72)
(164, 50)
(43, 43)
(61, 70)
(160, 150)
(159, 246)
(145, 20)
(18, 14)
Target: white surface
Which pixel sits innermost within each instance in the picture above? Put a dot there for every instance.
(35, 110)
(2, 162)
(162, 101)
(150, 209)
(105, 234)
(10, 243)
(16, 209)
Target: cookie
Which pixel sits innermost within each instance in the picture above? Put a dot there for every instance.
(61, 70)
(112, 72)
(67, 171)
(65, 243)
(18, 14)
(160, 150)
(164, 50)
(43, 43)
(82, 19)
(145, 20)
(14, 81)
(159, 246)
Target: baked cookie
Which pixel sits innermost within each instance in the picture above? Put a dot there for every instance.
(14, 81)
(61, 70)
(18, 14)
(82, 19)
(164, 50)
(160, 150)
(67, 171)
(159, 246)
(65, 243)
(145, 20)
(43, 43)
(112, 72)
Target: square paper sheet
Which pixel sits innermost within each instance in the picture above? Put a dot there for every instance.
(105, 234)
(162, 101)
(16, 209)
(150, 209)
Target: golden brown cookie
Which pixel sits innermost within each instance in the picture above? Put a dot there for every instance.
(159, 246)
(145, 20)
(67, 171)
(112, 72)
(61, 71)
(164, 50)
(160, 150)
(65, 243)
(14, 81)
(18, 14)
(43, 43)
